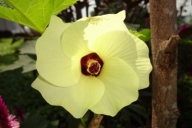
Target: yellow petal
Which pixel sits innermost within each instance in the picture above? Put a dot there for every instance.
(52, 64)
(144, 68)
(115, 44)
(143, 63)
(126, 46)
(73, 43)
(121, 87)
(75, 99)
(101, 24)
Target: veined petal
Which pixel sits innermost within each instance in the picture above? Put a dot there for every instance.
(73, 43)
(143, 63)
(75, 99)
(114, 44)
(100, 24)
(52, 64)
(144, 68)
(121, 87)
(126, 46)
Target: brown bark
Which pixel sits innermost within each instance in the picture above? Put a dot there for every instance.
(164, 59)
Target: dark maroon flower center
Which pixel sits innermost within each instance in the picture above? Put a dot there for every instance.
(91, 64)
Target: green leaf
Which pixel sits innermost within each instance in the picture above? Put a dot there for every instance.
(7, 47)
(4, 4)
(185, 41)
(35, 121)
(8, 59)
(29, 67)
(144, 35)
(28, 47)
(33, 13)
(24, 61)
(53, 124)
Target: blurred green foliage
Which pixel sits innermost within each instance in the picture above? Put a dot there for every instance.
(34, 14)
(7, 46)
(144, 34)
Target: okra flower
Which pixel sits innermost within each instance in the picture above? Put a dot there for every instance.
(94, 63)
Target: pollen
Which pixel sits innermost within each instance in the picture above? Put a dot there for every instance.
(93, 67)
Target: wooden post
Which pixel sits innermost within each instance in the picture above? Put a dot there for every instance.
(164, 41)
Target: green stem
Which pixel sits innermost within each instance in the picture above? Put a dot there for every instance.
(83, 122)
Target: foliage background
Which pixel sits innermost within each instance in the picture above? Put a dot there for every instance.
(33, 112)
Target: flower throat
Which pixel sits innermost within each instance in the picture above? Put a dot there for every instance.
(91, 64)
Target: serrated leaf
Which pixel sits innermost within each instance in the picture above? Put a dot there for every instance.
(7, 47)
(33, 13)
(24, 61)
(28, 47)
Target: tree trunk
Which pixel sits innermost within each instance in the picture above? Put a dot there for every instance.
(164, 59)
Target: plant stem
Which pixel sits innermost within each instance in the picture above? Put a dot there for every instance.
(95, 122)
(83, 122)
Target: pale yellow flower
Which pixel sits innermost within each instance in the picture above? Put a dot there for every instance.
(94, 63)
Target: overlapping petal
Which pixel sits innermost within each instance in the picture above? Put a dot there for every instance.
(76, 99)
(126, 46)
(143, 63)
(73, 43)
(115, 44)
(52, 64)
(121, 87)
(86, 30)
(100, 24)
